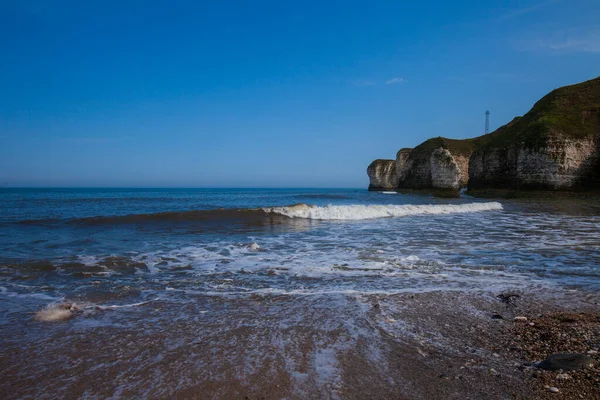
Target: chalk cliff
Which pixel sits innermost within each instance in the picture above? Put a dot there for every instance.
(556, 145)
(382, 175)
(437, 163)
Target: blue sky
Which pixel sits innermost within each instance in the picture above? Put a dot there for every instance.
(267, 93)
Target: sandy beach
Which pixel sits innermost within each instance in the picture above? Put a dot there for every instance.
(435, 345)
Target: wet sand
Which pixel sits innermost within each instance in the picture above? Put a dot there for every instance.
(435, 345)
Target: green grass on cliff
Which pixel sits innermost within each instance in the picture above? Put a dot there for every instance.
(572, 112)
(462, 147)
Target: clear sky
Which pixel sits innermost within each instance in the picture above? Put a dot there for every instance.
(267, 93)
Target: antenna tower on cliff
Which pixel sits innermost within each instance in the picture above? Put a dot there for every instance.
(487, 122)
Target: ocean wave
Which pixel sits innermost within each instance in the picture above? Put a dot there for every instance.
(301, 210)
(168, 216)
(359, 212)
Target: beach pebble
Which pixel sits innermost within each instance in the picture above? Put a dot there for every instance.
(521, 319)
(563, 376)
(553, 389)
(592, 352)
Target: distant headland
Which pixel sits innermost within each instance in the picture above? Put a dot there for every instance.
(555, 146)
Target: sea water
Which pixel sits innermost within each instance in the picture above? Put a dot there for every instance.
(52, 241)
(191, 266)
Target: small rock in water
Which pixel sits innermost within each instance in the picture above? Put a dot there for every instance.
(521, 319)
(508, 298)
(253, 246)
(553, 389)
(497, 316)
(567, 362)
(592, 352)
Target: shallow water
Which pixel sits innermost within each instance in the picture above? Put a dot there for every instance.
(105, 265)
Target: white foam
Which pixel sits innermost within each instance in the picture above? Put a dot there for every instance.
(56, 312)
(113, 307)
(88, 261)
(253, 246)
(389, 192)
(61, 311)
(359, 212)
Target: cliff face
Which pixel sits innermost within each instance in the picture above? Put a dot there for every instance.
(403, 163)
(437, 163)
(382, 175)
(445, 171)
(560, 164)
(556, 145)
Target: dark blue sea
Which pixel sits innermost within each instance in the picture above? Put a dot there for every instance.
(82, 269)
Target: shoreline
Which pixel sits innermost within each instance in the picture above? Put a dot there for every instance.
(441, 344)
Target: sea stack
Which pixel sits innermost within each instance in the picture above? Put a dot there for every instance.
(382, 175)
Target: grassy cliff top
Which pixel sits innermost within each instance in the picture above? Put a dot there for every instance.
(572, 112)
(463, 147)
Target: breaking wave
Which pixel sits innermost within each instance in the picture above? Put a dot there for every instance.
(259, 216)
(359, 212)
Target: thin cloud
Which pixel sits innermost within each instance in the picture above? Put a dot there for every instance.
(526, 10)
(565, 42)
(394, 81)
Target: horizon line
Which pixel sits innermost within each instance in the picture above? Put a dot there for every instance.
(179, 187)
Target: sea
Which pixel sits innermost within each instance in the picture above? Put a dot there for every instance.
(100, 288)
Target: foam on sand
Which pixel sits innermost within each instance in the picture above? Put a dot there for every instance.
(358, 212)
(56, 312)
(66, 310)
